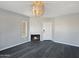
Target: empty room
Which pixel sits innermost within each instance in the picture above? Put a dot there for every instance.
(39, 29)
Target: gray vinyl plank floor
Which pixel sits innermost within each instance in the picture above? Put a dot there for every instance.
(41, 49)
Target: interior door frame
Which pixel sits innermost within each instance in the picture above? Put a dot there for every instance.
(51, 31)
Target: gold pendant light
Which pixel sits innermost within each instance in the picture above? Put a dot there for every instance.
(38, 8)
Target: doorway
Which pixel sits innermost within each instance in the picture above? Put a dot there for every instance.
(47, 31)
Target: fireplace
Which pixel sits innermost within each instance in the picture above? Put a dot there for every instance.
(35, 37)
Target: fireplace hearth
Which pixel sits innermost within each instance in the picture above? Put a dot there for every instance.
(35, 37)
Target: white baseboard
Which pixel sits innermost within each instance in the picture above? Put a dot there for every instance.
(12, 46)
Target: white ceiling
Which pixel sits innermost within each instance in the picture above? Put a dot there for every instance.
(52, 8)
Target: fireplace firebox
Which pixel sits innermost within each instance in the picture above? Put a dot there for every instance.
(35, 37)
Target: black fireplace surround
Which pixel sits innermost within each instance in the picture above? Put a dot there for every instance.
(35, 37)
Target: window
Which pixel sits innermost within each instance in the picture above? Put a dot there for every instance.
(24, 29)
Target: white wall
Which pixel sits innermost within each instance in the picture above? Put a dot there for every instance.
(67, 29)
(36, 24)
(10, 29)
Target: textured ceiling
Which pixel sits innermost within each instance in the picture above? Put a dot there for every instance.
(52, 8)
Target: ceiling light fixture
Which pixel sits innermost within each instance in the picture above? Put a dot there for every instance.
(38, 8)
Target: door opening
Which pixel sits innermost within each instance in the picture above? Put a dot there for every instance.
(47, 31)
